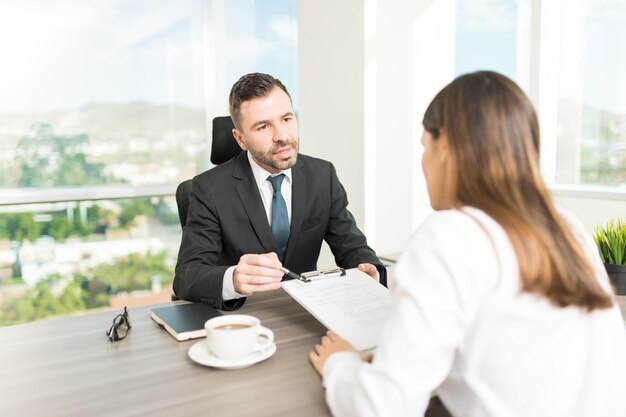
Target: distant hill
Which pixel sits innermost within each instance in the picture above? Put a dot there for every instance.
(135, 118)
(140, 117)
(599, 125)
(139, 142)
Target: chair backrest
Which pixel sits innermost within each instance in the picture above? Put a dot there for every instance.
(223, 148)
(182, 201)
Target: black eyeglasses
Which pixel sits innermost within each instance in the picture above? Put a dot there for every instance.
(120, 327)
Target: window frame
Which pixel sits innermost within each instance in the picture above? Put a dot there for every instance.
(23, 196)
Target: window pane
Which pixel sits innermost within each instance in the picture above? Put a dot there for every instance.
(262, 36)
(114, 92)
(592, 93)
(100, 92)
(486, 36)
(68, 257)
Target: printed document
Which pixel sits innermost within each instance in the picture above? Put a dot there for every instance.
(354, 305)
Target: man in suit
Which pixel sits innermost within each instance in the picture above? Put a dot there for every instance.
(267, 207)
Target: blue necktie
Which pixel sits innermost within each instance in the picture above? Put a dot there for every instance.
(280, 218)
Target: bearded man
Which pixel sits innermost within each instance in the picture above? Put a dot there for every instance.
(267, 208)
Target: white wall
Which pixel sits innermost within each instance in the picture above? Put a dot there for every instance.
(367, 71)
(330, 64)
(409, 58)
(330, 60)
(592, 211)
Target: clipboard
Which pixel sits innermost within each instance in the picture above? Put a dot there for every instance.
(346, 301)
(324, 273)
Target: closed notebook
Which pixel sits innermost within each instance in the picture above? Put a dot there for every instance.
(184, 321)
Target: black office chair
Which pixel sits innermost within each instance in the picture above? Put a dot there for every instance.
(223, 148)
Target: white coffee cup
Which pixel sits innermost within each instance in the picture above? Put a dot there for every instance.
(236, 336)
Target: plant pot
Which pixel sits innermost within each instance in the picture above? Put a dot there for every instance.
(617, 274)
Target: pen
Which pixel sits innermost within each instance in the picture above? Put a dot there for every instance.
(294, 275)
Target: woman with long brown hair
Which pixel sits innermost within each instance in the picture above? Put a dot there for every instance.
(501, 303)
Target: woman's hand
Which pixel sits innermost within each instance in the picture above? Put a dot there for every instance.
(330, 344)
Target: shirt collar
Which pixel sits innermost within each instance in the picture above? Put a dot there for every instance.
(261, 174)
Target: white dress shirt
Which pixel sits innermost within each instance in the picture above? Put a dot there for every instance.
(460, 326)
(267, 191)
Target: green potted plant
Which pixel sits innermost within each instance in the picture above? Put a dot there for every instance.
(611, 242)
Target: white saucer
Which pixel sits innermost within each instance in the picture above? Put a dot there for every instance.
(201, 354)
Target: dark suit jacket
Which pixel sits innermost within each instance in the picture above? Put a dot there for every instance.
(227, 219)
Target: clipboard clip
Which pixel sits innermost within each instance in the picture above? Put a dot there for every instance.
(324, 273)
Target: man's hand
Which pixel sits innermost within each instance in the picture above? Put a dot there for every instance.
(370, 270)
(330, 344)
(256, 273)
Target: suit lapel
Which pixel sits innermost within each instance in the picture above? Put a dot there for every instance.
(299, 191)
(251, 200)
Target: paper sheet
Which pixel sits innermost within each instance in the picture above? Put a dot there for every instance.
(354, 306)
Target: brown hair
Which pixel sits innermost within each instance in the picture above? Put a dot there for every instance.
(493, 138)
(248, 87)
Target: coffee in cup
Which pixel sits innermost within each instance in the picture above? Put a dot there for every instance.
(234, 326)
(236, 336)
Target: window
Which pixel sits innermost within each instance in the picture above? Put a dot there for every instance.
(573, 51)
(59, 258)
(104, 110)
(101, 93)
(262, 37)
(591, 144)
(487, 36)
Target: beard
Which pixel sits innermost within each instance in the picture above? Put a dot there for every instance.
(268, 158)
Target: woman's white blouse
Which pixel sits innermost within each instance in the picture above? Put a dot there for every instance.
(459, 326)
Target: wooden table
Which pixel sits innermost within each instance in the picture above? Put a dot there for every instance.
(68, 367)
